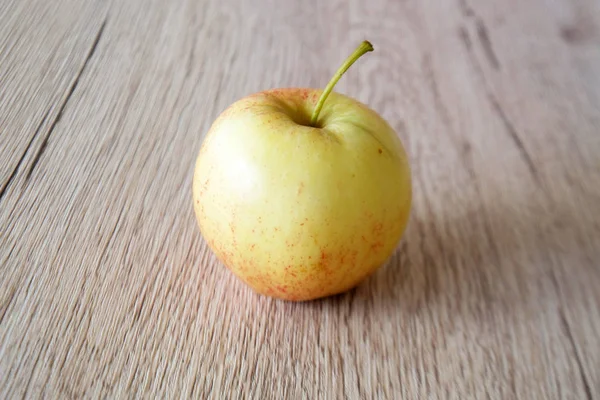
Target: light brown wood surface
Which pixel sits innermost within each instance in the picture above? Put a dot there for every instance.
(107, 288)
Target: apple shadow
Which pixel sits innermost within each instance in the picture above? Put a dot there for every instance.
(491, 254)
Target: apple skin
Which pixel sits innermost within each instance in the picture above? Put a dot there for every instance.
(298, 212)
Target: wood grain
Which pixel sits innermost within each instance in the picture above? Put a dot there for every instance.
(107, 288)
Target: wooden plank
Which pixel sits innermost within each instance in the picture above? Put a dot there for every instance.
(107, 288)
(491, 166)
(43, 48)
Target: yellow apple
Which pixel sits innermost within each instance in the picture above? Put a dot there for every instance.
(302, 193)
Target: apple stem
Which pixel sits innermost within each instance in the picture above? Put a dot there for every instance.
(364, 48)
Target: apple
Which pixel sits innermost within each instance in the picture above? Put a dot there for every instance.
(302, 193)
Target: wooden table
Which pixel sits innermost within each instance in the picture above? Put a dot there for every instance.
(107, 288)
